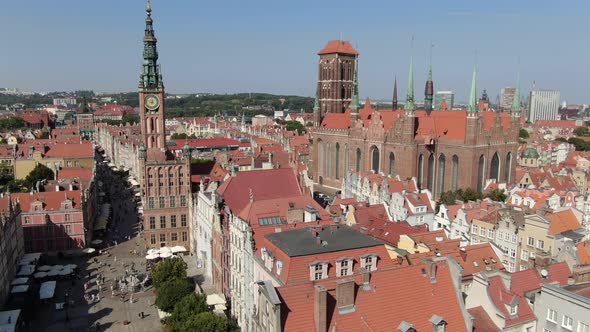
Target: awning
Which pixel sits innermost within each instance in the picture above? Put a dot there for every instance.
(19, 289)
(133, 182)
(29, 258)
(26, 270)
(47, 290)
(215, 299)
(20, 281)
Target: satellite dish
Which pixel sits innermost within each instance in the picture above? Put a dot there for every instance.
(544, 273)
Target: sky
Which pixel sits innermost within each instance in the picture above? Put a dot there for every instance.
(271, 46)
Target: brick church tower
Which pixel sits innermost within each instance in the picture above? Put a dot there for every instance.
(335, 78)
(165, 180)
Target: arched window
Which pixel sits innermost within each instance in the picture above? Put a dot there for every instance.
(508, 167)
(440, 177)
(375, 159)
(391, 163)
(495, 168)
(346, 159)
(358, 159)
(320, 156)
(337, 164)
(454, 172)
(481, 173)
(420, 170)
(430, 180)
(328, 161)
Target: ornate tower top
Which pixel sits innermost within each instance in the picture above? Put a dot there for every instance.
(394, 100)
(472, 105)
(354, 101)
(150, 76)
(410, 106)
(516, 101)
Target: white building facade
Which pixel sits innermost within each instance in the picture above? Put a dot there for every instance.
(544, 105)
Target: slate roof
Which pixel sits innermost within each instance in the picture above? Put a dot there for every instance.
(301, 242)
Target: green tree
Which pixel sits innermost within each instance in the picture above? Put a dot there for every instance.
(40, 172)
(206, 322)
(186, 307)
(17, 186)
(523, 133)
(497, 195)
(167, 270)
(129, 118)
(179, 136)
(171, 292)
(44, 135)
(582, 131)
(295, 125)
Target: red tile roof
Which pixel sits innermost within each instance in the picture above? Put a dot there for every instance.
(71, 173)
(206, 142)
(414, 299)
(583, 253)
(265, 184)
(481, 321)
(501, 297)
(562, 221)
(51, 199)
(279, 207)
(338, 46)
(530, 279)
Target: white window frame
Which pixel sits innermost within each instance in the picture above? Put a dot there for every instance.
(531, 241)
(583, 327)
(524, 255)
(551, 315)
(569, 324)
(474, 229)
(540, 244)
(482, 231)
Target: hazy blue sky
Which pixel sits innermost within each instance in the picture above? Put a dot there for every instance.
(271, 46)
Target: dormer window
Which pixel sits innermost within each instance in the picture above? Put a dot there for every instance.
(438, 323)
(344, 266)
(318, 270)
(369, 262)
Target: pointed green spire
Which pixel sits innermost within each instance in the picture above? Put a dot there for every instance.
(516, 100)
(354, 101)
(410, 106)
(472, 106)
(316, 102)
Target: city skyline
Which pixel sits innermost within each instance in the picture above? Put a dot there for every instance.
(199, 48)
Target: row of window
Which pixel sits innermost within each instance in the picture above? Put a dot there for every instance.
(567, 322)
(67, 217)
(163, 223)
(173, 237)
(344, 267)
(162, 202)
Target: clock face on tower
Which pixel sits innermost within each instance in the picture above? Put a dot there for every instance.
(152, 102)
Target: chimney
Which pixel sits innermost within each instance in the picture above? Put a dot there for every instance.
(71, 187)
(463, 254)
(320, 308)
(56, 187)
(345, 295)
(542, 261)
(431, 270)
(366, 279)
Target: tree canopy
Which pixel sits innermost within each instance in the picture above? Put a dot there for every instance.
(582, 131)
(40, 172)
(451, 197)
(205, 322)
(167, 270)
(12, 122)
(523, 133)
(171, 292)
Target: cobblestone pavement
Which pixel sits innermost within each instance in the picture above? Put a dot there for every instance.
(123, 250)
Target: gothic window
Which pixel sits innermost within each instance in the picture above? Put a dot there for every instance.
(358, 159)
(481, 173)
(320, 156)
(328, 161)
(391, 163)
(346, 159)
(495, 167)
(440, 177)
(430, 180)
(375, 159)
(508, 167)
(337, 173)
(420, 170)
(454, 172)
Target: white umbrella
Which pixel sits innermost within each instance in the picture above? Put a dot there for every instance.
(178, 249)
(40, 275)
(57, 267)
(165, 250)
(153, 251)
(44, 268)
(152, 256)
(71, 266)
(53, 273)
(88, 250)
(66, 271)
(96, 242)
(165, 254)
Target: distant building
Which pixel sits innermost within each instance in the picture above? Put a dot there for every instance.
(447, 96)
(506, 98)
(260, 120)
(544, 105)
(64, 101)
